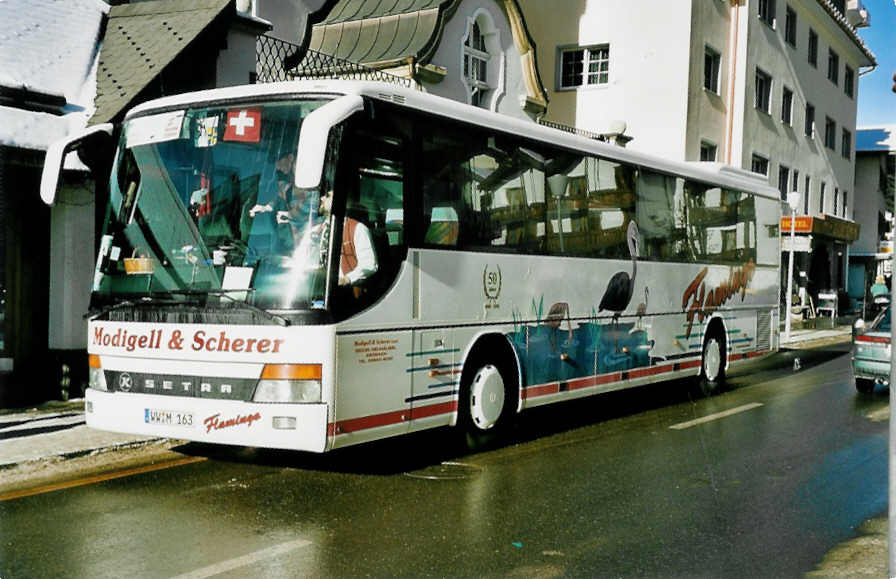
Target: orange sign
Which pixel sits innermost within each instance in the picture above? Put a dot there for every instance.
(803, 224)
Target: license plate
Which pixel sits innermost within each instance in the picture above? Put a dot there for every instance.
(168, 418)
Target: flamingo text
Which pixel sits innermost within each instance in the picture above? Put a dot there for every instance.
(698, 302)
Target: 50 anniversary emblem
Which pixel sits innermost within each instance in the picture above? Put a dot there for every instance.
(491, 285)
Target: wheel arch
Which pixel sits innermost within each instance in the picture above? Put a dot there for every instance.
(493, 344)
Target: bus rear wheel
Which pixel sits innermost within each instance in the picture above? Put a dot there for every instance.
(487, 403)
(712, 365)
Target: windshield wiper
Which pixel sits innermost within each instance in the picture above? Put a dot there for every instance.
(226, 293)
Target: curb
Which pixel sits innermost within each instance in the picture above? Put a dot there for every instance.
(815, 342)
(97, 450)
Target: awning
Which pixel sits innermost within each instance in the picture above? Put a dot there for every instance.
(374, 32)
(823, 225)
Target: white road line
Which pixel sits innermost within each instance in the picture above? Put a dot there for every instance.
(231, 564)
(716, 416)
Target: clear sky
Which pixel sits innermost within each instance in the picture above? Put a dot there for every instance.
(877, 101)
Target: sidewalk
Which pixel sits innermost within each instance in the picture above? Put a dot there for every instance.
(57, 430)
(800, 337)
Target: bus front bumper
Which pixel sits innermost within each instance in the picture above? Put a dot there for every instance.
(287, 426)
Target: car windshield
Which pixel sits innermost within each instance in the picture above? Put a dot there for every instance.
(204, 200)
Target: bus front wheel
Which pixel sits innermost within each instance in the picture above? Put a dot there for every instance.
(487, 403)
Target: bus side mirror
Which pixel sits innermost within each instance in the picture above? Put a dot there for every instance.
(312, 148)
(91, 136)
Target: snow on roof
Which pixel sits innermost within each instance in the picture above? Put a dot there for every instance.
(882, 138)
(52, 46)
(52, 51)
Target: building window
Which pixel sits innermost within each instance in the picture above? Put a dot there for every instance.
(795, 182)
(813, 48)
(790, 27)
(849, 82)
(846, 144)
(810, 120)
(767, 12)
(836, 200)
(585, 66)
(783, 180)
(763, 90)
(830, 133)
(711, 66)
(821, 197)
(806, 195)
(476, 64)
(845, 216)
(759, 164)
(787, 106)
(833, 66)
(708, 151)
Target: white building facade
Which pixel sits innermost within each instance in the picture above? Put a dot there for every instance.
(871, 255)
(766, 85)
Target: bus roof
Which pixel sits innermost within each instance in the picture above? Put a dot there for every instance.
(716, 173)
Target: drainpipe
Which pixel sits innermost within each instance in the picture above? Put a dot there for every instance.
(732, 75)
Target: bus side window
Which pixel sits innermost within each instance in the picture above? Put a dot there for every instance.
(660, 217)
(611, 204)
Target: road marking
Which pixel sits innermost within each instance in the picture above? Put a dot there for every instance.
(232, 564)
(716, 416)
(99, 478)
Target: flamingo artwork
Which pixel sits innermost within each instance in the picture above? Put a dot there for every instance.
(642, 307)
(622, 285)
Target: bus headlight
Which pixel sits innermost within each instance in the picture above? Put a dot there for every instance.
(296, 383)
(287, 391)
(96, 378)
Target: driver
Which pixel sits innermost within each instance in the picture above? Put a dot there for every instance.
(289, 202)
(358, 259)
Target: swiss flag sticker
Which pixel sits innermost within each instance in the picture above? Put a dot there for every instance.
(243, 125)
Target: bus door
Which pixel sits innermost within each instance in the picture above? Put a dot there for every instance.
(435, 378)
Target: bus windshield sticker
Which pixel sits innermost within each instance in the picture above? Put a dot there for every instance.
(206, 132)
(243, 125)
(155, 129)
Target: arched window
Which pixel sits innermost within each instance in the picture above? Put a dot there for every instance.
(476, 64)
(482, 60)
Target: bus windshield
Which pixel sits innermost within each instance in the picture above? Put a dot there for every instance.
(204, 200)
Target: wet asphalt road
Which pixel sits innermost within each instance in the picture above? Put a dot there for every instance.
(603, 487)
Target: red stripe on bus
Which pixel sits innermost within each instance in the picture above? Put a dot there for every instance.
(594, 380)
(874, 339)
(373, 421)
(433, 410)
(390, 418)
(691, 364)
(543, 390)
(649, 371)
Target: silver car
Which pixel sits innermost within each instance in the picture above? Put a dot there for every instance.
(871, 352)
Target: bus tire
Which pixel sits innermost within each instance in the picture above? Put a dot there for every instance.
(488, 400)
(712, 363)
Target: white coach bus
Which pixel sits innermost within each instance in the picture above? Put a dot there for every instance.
(310, 265)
